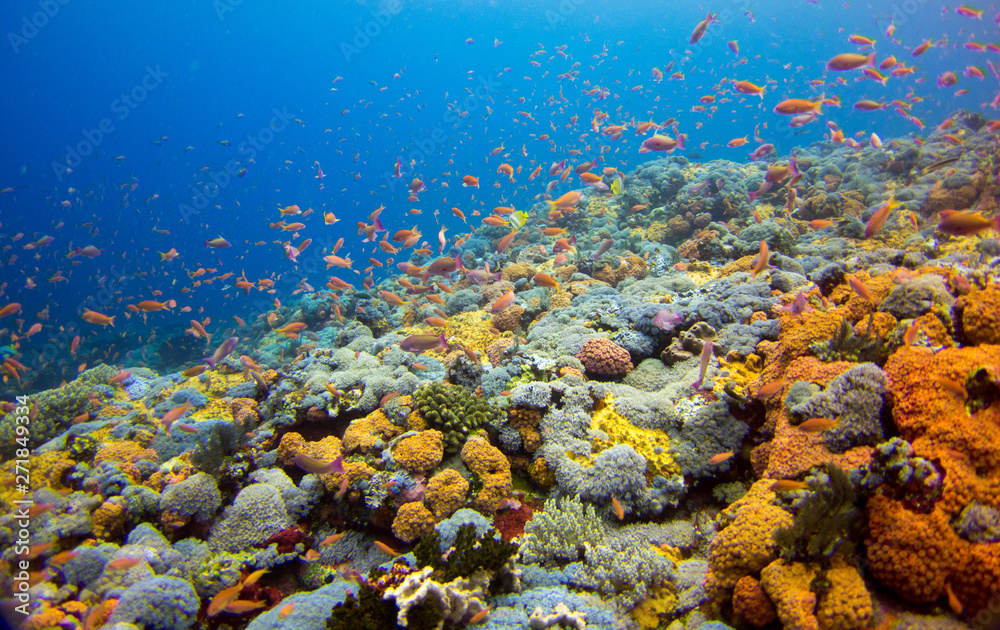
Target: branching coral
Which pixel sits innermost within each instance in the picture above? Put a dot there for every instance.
(454, 411)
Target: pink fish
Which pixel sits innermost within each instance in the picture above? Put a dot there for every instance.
(762, 150)
(706, 356)
(421, 343)
(319, 467)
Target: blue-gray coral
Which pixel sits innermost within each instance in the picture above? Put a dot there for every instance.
(159, 603)
(855, 400)
(257, 513)
(196, 497)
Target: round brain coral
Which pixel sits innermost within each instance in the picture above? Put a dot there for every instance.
(413, 520)
(446, 492)
(420, 452)
(981, 315)
(604, 357)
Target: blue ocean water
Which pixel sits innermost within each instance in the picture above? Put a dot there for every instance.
(122, 123)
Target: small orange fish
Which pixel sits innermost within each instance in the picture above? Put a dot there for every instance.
(817, 425)
(953, 387)
(718, 458)
(479, 616)
(253, 577)
(286, 610)
(331, 539)
(223, 599)
(762, 259)
(619, 510)
(788, 485)
(953, 602)
(861, 289)
(386, 548)
(122, 564)
(770, 389)
(243, 606)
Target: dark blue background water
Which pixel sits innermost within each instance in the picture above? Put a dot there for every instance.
(220, 71)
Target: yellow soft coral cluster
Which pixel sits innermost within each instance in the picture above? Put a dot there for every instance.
(653, 445)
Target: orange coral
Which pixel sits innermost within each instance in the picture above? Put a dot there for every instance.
(366, 433)
(508, 319)
(446, 492)
(751, 602)
(787, 584)
(745, 545)
(109, 521)
(493, 469)
(412, 521)
(124, 451)
(917, 554)
(981, 315)
(847, 605)
(420, 452)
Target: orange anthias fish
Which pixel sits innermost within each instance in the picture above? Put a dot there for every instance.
(762, 259)
(878, 219)
(966, 223)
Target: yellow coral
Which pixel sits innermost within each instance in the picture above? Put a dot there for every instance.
(109, 521)
(651, 612)
(653, 445)
(446, 492)
(420, 452)
(124, 451)
(746, 544)
(847, 605)
(787, 585)
(366, 433)
(493, 469)
(412, 521)
(44, 619)
(516, 271)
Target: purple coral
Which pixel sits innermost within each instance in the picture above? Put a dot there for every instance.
(666, 319)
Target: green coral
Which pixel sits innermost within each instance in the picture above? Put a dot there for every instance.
(367, 611)
(56, 408)
(560, 533)
(469, 555)
(454, 411)
(219, 572)
(82, 448)
(828, 519)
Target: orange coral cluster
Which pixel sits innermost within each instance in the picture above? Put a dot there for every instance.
(918, 554)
